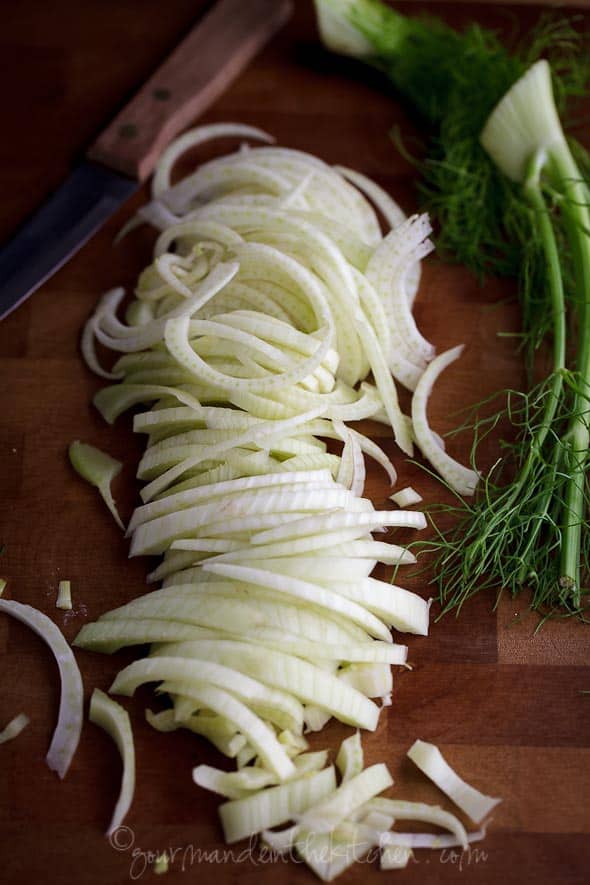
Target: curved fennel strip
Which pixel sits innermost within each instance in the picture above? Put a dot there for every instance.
(349, 800)
(350, 758)
(155, 535)
(238, 784)
(89, 333)
(462, 479)
(99, 469)
(233, 608)
(113, 401)
(111, 635)
(337, 807)
(420, 811)
(69, 721)
(306, 681)
(394, 605)
(217, 729)
(316, 479)
(320, 266)
(306, 592)
(252, 435)
(336, 521)
(428, 840)
(111, 717)
(393, 214)
(398, 251)
(430, 760)
(130, 339)
(275, 705)
(259, 735)
(14, 728)
(161, 181)
(204, 688)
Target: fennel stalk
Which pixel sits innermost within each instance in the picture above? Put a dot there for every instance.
(514, 203)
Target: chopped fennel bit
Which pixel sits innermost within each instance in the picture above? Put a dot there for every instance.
(99, 469)
(64, 595)
(111, 717)
(406, 497)
(395, 857)
(69, 721)
(430, 760)
(350, 760)
(161, 864)
(14, 728)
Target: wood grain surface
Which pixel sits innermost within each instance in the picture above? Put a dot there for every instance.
(506, 708)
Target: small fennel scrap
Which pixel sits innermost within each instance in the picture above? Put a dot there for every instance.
(97, 468)
(14, 728)
(64, 596)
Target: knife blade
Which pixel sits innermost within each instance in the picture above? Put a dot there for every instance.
(123, 156)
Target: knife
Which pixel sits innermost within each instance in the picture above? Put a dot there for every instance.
(125, 153)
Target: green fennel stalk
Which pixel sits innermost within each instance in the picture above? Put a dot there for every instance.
(510, 197)
(523, 136)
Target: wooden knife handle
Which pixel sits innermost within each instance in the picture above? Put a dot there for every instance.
(191, 79)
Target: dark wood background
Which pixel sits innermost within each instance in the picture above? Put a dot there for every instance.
(506, 709)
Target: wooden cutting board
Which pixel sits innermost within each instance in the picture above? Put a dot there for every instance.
(506, 709)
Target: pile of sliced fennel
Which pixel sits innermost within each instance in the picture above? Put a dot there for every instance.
(272, 298)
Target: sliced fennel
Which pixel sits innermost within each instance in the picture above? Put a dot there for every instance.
(395, 857)
(161, 864)
(402, 810)
(349, 760)
(271, 296)
(304, 591)
(237, 784)
(222, 733)
(330, 854)
(406, 497)
(14, 728)
(307, 682)
(69, 721)
(64, 595)
(430, 760)
(246, 817)
(115, 721)
(326, 817)
(99, 469)
(273, 705)
(461, 478)
(350, 795)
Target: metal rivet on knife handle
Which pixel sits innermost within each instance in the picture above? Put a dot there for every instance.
(128, 130)
(196, 74)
